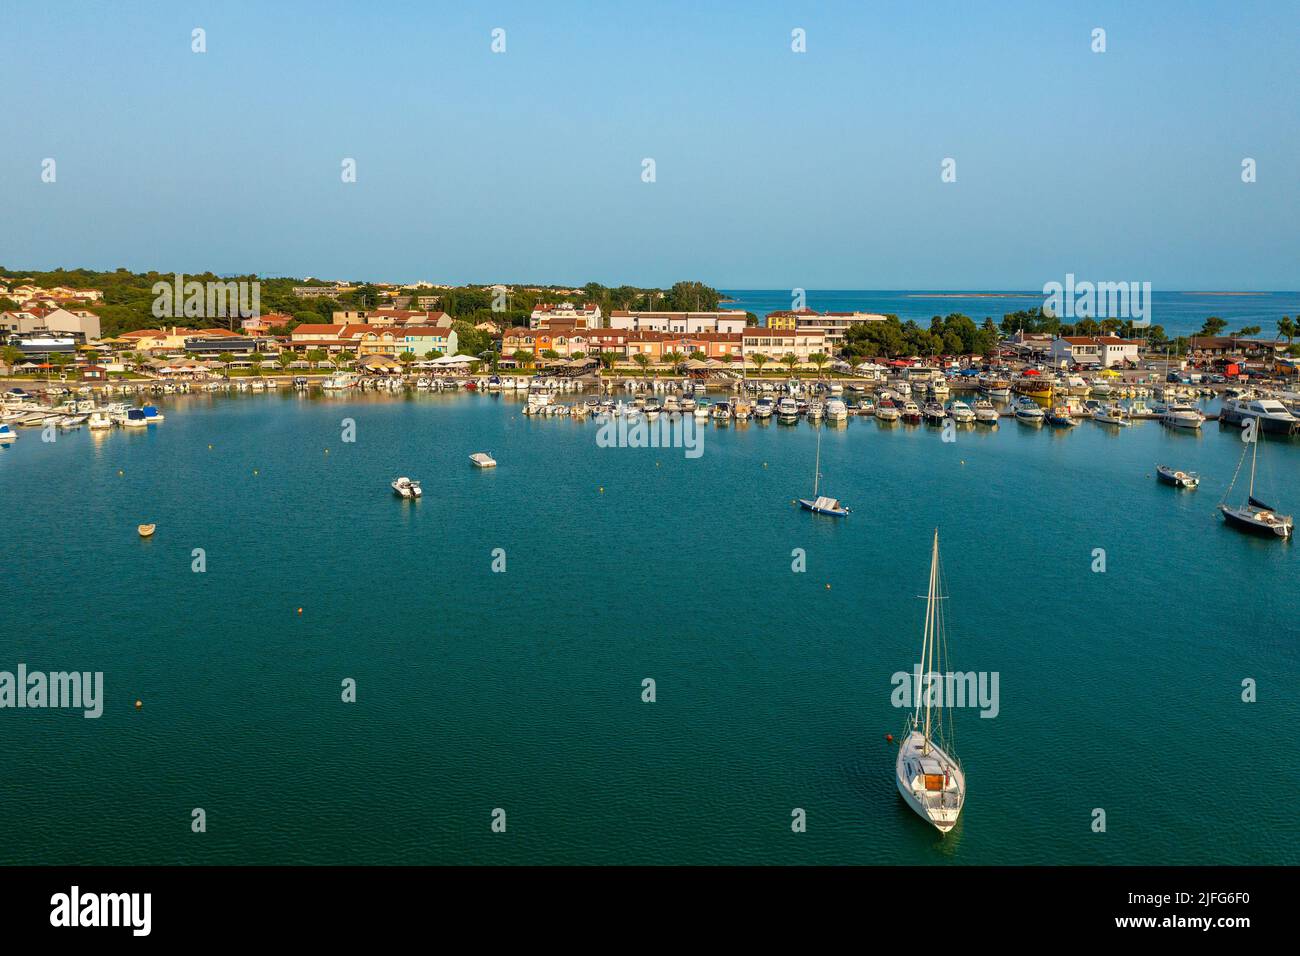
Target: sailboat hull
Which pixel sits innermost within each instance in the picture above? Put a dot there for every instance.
(940, 808)
(1244, 519)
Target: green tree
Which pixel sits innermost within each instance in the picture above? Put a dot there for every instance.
(641, 359)
(522, 357)
(790, 360)
(1286, 328)
(759, 360)
(316, 356)
(1213, 326)
(819, 359)
(283, 360)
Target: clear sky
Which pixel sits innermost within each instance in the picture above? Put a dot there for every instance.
(774, 169)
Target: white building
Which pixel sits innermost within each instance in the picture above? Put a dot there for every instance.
(586, 316)
(685, 323)
(1100, 350)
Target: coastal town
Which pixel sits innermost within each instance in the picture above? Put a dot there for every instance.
(55, 334)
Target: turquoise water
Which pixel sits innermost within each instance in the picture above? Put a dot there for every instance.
(1181, 313)
(477, 690)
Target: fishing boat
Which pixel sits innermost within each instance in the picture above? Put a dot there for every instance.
(763, 408)
(1182, 415)
(135, 418)
(702, 409)
(818, 503)
(1254, 516)
(1060, 417)
(929, 778)
(911, 412)
(1111, 414)
(722, 414)
(151, 414)
(933, 413)
(816, 410)
(836, 410)
(995, 386)
(1177, 477)
(985, 413)
(406, 488)
(99, 421)
(482, 459)
(1033, 386)
(146, 530)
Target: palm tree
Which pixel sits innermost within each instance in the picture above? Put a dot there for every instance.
(819, 359)
(316, 356)
(343, 358)
(608, 359)
(283, 360)
(673, 358)
(790, 360)
(521, 357)
(641, 359)
(759, 359)
(1287, 327)
(226, 358)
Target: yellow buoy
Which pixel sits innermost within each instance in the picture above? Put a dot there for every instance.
(254, 471)
(828, 587)
(139, 704)
(119, 472)
(146, 530)
(209, 448)
(299, 611)
(602, 489)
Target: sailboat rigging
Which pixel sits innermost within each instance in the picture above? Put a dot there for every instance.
(930, 779)
(1255, 515)
(819, 503)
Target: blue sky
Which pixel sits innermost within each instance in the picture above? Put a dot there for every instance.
(774, 169)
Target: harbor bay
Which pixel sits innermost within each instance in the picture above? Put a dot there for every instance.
(522, 689)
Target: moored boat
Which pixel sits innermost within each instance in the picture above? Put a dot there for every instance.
(929, 777)
(406, 488)
(1177, 477)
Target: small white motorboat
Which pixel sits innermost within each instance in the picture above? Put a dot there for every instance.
(406, 488)
(482, 459)
(7, 435)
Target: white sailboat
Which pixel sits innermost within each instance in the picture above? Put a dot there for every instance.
(929, 778)
(819, 503)
(1254, 516)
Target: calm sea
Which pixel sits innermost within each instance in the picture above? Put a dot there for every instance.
(1181, 313)
(1119, 690)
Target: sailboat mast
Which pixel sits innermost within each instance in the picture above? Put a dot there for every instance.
(1254, 439)
(930, 632)
(817, 465)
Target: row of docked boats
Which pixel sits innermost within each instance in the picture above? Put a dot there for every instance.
(74, 414)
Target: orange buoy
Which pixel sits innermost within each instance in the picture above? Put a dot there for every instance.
(139, 704)
(889, 737)
(299, 612)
